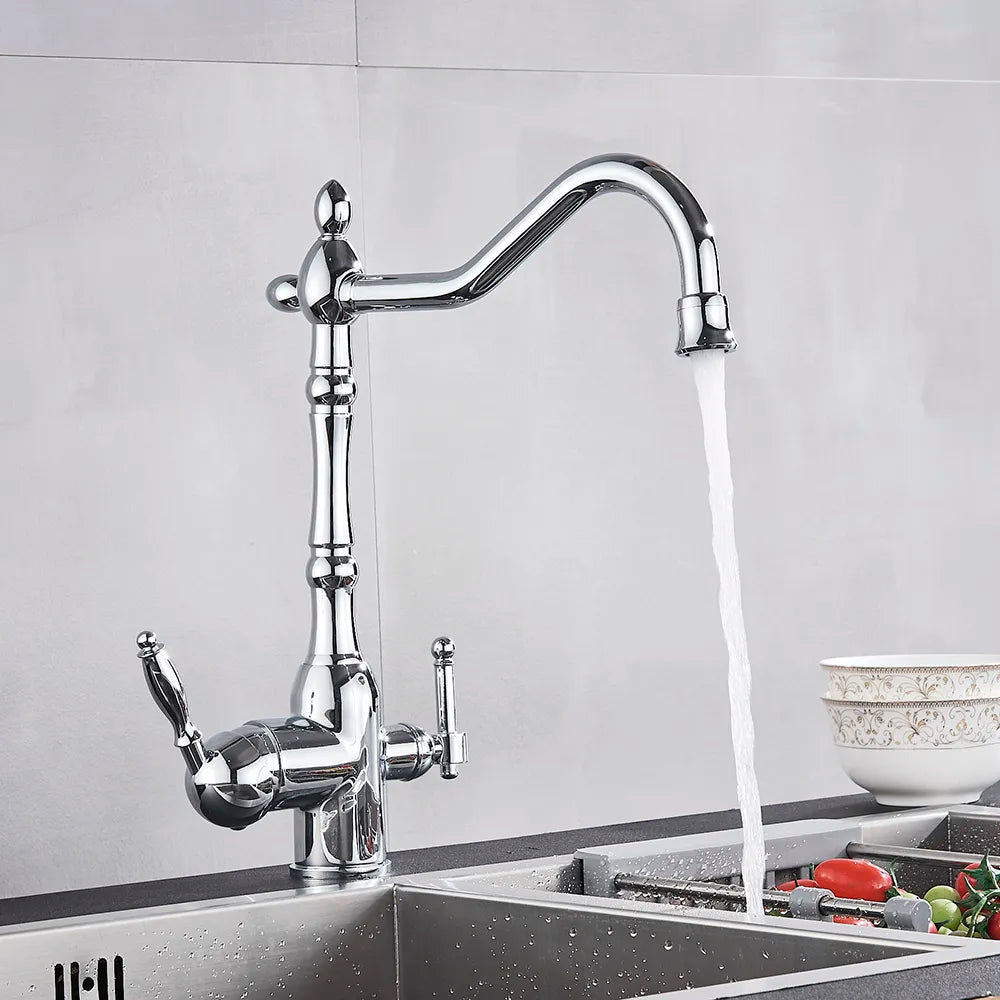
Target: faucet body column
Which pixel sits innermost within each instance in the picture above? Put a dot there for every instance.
(334, 688)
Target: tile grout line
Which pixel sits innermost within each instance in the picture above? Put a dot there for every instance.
(584, 71)
(546, 71)
(357, 56)
(170, 59)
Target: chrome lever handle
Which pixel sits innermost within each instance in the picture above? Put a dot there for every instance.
(168, 692)
(454, 744)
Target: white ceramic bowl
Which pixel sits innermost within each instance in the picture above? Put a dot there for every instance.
(934, 776)
(913, 677)
(919, 753)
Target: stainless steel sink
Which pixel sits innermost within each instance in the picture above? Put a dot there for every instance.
(452, 935)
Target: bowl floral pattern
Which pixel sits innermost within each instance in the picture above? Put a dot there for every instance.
(880, 679)
(965, 723)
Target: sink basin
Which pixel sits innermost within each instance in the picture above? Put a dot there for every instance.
(455, 935)
(526, 947)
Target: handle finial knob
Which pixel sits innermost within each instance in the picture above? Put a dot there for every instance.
(442, 648)
(147, 642)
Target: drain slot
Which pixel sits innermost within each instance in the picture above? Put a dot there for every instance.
(80, 986)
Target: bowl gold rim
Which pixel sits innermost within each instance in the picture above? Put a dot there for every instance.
(990, 661)
(923, 703)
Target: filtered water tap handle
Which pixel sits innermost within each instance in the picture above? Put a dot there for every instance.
(454, 745)
(168, 692)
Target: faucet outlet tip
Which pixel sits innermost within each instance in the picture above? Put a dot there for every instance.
(703, 319)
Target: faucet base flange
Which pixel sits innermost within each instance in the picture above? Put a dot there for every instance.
(326, 873)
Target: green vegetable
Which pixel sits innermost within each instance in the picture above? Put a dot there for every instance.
(946, 930)
(945, 913)
(942, 892)
(983, 898)
(906, 894)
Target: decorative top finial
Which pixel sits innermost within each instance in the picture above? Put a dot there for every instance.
(333, 209)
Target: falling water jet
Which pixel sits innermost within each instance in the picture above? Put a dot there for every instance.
(710, 380)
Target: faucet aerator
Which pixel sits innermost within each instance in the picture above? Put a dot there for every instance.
(703, 321)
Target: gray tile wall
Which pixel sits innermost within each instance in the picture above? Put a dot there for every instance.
(293, 31)
(154, 450)
(547, 500)
(883, 39)
(536, 458)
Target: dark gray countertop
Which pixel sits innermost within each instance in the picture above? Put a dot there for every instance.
(105, 899)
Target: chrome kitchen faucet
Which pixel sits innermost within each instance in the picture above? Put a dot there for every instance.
(330, 758)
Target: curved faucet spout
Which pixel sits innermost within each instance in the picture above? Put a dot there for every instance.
(330, 759)
(702, 309)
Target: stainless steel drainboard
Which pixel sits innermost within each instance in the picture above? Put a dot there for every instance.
(427, 937)
(924, 847)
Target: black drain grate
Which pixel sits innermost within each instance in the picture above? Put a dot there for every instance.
(82, 986)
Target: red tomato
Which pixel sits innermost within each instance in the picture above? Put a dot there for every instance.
(964, 883)
(857, 921)
(993, 927)
(852, 878)
(932, 929)
(795, 883)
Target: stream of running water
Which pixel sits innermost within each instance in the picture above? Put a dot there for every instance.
(710, 379)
